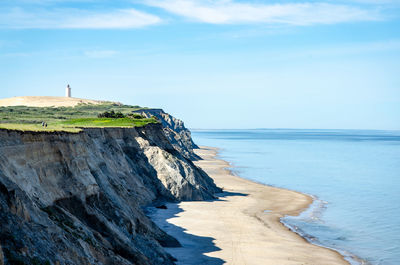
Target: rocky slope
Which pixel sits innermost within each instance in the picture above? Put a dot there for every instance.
(77, 198)
(175, 130)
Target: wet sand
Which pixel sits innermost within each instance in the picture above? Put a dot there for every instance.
(235, 229)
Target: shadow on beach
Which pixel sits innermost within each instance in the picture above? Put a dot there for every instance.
(194, 247)
(224, 194)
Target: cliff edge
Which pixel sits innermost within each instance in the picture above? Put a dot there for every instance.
(175, 130)
(77, 198)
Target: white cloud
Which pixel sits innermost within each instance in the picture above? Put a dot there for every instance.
(230, 12)
(100, 53)
(18, 18)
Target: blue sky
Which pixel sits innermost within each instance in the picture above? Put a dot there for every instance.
(213, 63)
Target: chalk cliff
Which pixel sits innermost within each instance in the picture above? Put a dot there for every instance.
(78, 198)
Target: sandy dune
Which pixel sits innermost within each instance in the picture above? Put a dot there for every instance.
(36, 101)
(235, 229)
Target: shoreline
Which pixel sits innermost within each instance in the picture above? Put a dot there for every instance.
(243, 226)
(347, 256)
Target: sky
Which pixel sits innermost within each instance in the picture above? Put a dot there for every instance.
(216, 64)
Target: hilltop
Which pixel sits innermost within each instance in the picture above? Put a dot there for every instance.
(66, 114)
(101, 114)
(44, 101)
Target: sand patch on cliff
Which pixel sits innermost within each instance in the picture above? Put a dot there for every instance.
(37, 101)
(235, 229)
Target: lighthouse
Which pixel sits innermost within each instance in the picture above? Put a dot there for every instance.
(68, 91)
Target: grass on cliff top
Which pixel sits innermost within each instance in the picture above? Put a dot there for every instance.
(67, 118)
(37, 127)
(108, 122)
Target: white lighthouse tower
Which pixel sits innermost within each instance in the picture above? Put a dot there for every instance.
(68, 91)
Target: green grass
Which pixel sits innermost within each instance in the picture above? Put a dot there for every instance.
(70, 119)
(107, 122)
(37, 127)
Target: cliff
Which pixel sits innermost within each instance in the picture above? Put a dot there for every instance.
(175, 130)
(78, 198)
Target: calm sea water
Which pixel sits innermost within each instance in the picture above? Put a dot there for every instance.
(353, 174)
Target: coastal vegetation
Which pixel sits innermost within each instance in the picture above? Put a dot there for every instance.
(71, 119)
(108, 122)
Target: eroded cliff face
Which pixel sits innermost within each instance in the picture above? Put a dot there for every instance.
(175, 130)
(77, 198)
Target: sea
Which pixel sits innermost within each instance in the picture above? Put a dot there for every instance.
(353, 175)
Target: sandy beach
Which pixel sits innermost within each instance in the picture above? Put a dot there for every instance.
(242, 226)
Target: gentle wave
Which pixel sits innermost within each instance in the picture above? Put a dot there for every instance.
(313, 214)
(354, 175)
